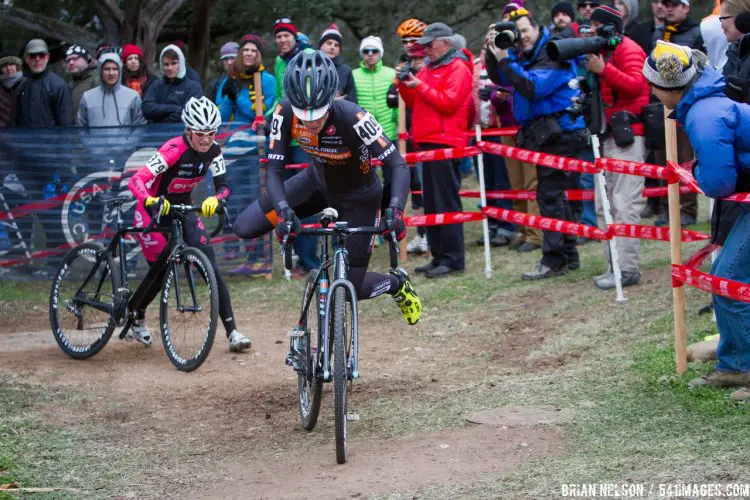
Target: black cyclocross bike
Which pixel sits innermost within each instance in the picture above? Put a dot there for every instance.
(324, 346)
(90, 296)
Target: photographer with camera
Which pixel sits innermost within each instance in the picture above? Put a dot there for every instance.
(442, 104)
(624, 91)
(542, 97)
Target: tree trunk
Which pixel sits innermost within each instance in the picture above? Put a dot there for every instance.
(200, 36)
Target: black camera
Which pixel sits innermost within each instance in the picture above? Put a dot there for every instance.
(507, 35)
(570, 48)
(403, 73)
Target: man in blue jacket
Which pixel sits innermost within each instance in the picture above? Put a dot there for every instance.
(541, 100)
(167, 96)
(719, 131)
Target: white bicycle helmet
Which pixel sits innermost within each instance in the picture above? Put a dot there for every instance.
(201, 115)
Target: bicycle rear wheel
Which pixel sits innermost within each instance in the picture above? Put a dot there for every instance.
(309, 383)
(189, 309)
(342, 348)
(85, 276)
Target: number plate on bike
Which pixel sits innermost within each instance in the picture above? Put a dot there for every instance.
(295, 333)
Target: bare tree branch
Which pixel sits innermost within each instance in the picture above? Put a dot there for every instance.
(112, 8)
(48, 27)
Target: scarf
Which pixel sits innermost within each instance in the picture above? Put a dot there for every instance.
(136, 83)
(9, 81)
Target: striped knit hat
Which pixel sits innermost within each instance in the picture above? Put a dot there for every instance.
(670, 66)
(608, 15)
(332, 33)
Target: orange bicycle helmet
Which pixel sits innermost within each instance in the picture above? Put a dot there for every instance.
(411, 28)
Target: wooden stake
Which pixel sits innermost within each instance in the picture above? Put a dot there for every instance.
(402, 149)
(258, 85)
(675, 241)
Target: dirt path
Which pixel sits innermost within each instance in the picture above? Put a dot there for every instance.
(230, 429)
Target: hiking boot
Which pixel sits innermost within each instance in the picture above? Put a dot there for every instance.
(418, 245)
(499, 240)
(426, 267)
(741, 394)
(406, 298)
(607, 281)
(517, 242)
(440, 271)
(238, 342)
(703, 351)
(722, 379)
(541, 271)
(527, 246)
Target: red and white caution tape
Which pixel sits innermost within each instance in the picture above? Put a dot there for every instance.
(634, 168)
(441, 154)
(543, 159)
(441, 219)
(651, 233)
(712, 284)
(545, 223)
(684, 176)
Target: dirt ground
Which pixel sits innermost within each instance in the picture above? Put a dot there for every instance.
(231, 429)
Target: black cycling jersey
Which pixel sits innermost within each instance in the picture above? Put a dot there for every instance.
(342, 153)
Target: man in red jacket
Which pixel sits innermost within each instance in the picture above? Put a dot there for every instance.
(624, 92)
(441, 102)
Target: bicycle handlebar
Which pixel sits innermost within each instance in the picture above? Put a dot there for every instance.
(182, 209)
(347, 231)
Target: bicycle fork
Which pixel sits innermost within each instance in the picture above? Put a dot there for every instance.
(353, 362)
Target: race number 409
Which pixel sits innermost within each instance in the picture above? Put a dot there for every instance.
(368, 129)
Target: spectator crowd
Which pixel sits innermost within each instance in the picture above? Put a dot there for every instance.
(617, 92)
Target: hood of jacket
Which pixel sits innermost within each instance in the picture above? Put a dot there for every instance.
(180, 57)
(710, 83)
(110, 57)
(633, 10)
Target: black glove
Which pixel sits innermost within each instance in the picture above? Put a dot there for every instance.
(485, 92)
(230, 89)
(288, 225)
(393, 221)
(736, 89)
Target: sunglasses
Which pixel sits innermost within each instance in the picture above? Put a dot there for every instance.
(203, 135)
(369, 52)
(722, 18)
(409, 41)
(37, 56)
(588, 5)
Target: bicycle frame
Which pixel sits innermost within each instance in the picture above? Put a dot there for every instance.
(125, 301)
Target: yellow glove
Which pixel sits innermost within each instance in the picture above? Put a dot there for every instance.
(155, 201)
(209, 206)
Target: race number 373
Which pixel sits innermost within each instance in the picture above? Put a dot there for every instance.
(368, 129)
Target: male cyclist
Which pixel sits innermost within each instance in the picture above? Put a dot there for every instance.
(342, 139)
(177, 167)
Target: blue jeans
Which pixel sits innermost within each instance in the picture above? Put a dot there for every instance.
(732, 316)
(587, 182)
(306, 247)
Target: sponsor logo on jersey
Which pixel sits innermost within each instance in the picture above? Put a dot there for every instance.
(272, 156)
(302, 135)
(331, 130)
(385, 154)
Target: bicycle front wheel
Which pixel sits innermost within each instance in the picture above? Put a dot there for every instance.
(82, 300)
(342, 343)
(189, 309)
(309, 383)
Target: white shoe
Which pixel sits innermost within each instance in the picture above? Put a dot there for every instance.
(238, 342)
(139, 331)
(418, 244)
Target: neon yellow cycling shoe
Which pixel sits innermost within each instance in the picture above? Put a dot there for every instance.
(406, 298)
